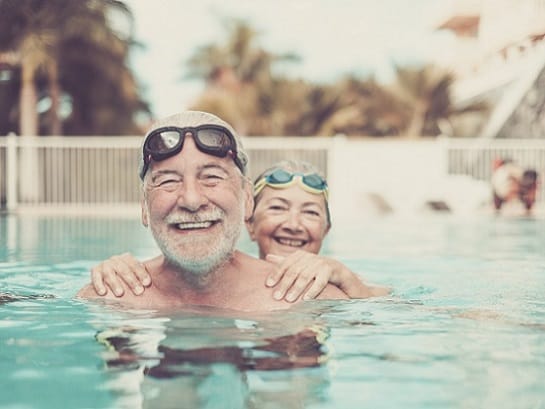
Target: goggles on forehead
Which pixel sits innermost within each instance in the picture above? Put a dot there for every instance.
(162, 143)
(280, 178)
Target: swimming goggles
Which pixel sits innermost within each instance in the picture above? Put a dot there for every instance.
(162, 143)
(280, 179)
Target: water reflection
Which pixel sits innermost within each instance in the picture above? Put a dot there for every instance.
(202, 360)
(8, 297)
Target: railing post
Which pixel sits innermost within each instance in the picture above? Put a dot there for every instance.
(11, 172)
(444, 151)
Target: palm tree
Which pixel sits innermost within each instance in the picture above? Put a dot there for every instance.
(426, 93)
(45, 36)
(241, 87)
(239, 78)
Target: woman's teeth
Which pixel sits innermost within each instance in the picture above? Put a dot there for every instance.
(291, 242)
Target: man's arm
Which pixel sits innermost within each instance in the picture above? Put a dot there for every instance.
(89, 292)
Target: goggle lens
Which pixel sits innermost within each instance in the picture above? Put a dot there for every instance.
(162, 142)
(215, 139)
(279, 176)
(315, 181)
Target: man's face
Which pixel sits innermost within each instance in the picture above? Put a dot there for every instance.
(195, 205)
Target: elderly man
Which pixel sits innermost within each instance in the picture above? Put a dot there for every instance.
(196, 198)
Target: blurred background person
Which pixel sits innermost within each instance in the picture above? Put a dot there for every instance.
(513, 187)
(505, 182)
(528, 188)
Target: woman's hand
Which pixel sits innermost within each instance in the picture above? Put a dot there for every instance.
(302, 271)
(112, 273)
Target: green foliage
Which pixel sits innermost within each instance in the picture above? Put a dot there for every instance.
(68, 51)
(242, 86)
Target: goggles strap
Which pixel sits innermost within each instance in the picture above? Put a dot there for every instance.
(261, 183)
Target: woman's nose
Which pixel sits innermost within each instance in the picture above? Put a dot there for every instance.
(293, 221)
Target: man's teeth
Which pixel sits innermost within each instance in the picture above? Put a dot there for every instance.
(291, 242)
(194, 225)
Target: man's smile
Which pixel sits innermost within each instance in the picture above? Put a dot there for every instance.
(194, 225)
(194, 222)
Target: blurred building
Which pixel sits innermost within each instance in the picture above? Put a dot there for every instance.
(498, 57)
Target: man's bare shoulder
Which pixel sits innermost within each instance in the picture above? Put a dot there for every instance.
(88, 292)
(332, 292)
(249, 264)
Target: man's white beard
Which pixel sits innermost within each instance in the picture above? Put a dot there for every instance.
(198, 269)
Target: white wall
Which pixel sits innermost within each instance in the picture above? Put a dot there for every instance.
(403, 173)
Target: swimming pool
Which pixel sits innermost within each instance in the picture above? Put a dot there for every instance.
(465, 327)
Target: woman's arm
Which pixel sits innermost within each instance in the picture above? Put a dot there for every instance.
(307, 274)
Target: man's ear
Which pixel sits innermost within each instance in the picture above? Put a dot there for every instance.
(250, 228)
(145, 215)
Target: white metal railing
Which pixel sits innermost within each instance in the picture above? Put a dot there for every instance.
(474, 157)
(98, 173)
(56, 171)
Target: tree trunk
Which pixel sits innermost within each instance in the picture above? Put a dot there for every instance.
(55, 127)
(28, 118)
(416, 126)
(28, 126)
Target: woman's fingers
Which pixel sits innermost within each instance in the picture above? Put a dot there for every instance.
(300, 273)
(134, 267)
(96, 280)
(312, 278)
(115, 271)
(294, 276)
(287, 273)
(320, 282)
(103, 276)
(277, 274)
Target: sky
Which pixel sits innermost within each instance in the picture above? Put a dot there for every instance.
(332, 37)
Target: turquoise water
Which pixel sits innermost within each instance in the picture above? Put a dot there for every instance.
(465, 327)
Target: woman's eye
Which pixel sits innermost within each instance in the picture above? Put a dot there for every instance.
(312, 213)
(277, 208)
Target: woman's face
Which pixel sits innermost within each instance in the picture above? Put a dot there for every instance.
(288, 219)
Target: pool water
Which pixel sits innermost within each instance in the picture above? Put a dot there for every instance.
(464, 327)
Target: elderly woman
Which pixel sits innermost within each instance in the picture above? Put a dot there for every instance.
(290, 221)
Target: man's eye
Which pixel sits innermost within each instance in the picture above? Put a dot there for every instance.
(211, 179)
(167, 183)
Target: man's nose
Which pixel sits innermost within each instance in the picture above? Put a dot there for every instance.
(191, 196)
